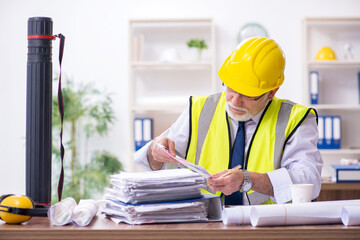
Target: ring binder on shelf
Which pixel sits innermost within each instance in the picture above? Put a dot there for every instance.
(328, 131)
(336, 138)
(142, 132)
(314, 87)
(329, 128)
(321, 130)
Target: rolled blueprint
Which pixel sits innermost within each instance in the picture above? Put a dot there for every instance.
(84, 212)
(350, 215)
(327, 212)
(61, 212)
(239, 215)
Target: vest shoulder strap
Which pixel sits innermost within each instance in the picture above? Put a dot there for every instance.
(281, 124)
(205, 118)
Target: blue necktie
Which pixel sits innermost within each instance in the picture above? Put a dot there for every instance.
(236, 159)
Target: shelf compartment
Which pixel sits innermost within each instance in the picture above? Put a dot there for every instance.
(338, 86)
(152, 39)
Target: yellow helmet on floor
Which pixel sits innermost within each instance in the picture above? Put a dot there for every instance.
(255, 67)
(325, 53)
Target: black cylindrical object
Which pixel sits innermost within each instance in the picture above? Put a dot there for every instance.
(39, 110)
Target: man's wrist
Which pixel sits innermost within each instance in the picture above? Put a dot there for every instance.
(153, 164)
(247, 182)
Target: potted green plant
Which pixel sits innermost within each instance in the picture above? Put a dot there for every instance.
(198, 45)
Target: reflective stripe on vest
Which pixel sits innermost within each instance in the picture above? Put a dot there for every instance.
(206, 140)
(205, 118)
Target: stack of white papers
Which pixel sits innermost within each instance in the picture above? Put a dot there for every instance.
(172, 195)
(155, 186)
(181, 211)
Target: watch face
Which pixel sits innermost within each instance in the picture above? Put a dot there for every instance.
(246, 186)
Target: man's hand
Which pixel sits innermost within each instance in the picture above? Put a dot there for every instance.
(226, 184)
(232, 182)
(156, 157)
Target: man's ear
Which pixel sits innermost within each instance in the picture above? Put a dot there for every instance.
(272, 93)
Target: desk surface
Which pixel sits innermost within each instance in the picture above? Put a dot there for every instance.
(103, 229)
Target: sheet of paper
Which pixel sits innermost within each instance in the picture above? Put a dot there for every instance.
(196, 168)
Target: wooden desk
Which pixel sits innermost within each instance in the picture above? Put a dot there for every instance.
(102, 229)
(339, 191)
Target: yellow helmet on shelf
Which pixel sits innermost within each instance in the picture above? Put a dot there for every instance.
(324, 54)
(255, 67)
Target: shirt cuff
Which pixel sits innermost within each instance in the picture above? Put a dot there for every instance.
(140, 158)
(280, 180)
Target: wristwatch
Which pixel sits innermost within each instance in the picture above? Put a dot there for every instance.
(247, 183)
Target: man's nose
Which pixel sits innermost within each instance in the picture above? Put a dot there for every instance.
(238, 99)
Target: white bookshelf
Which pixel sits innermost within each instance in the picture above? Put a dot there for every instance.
(338, 82)
(163, 74)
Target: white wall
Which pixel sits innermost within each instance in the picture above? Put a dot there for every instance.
(96, 51)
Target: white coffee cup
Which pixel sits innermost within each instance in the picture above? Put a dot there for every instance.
(301, 192)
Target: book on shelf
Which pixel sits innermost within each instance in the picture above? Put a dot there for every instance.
(347, 173)
(329, 127)
(143, 131)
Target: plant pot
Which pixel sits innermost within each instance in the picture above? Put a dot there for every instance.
(194, 54)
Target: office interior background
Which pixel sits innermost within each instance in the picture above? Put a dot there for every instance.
(97, 51)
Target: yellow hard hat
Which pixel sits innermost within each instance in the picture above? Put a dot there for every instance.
(255, 67)
(325, 53)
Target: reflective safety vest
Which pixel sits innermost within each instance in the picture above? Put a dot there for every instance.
(209, 142)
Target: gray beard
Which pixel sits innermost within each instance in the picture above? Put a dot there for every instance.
(240, 118)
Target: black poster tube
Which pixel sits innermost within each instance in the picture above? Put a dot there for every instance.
(39, 110)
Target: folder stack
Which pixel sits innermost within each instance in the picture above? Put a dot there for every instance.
(329, 127)
(172, 195)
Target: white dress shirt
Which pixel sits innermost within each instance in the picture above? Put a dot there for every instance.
(301, 161)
